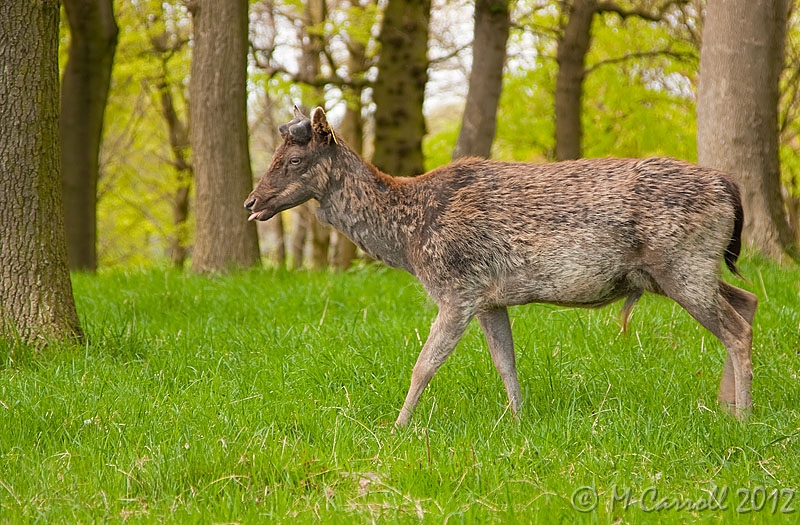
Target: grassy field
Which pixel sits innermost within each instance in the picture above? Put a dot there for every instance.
(270, 396)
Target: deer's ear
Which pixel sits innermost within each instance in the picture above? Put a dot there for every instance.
(323, 132)
(297, 113)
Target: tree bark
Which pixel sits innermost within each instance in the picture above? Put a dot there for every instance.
(224, 239)
(737, 112)
(492, 23)
(399, 90)
(36, 302)
(84, 92)
(571, 58)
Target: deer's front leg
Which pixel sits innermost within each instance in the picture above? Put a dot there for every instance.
(497, 329)
(446, 330)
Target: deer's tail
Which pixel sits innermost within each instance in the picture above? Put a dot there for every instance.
(735, 244)
(627, 308)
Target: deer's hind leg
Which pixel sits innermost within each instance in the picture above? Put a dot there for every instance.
(497, 329)
(707, 301)
(745, 304)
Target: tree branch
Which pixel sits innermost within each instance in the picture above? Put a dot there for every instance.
(684, 57)
(449, 55)
(609, 6)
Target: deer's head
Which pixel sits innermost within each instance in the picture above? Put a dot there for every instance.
(299, 169)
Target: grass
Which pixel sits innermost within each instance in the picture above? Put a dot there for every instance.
(269, 397)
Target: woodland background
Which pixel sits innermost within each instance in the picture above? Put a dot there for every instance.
(148, 121)
(639, 92)
(130, 135)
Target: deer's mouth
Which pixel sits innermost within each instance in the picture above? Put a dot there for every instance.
(263, 211)
(262, 215)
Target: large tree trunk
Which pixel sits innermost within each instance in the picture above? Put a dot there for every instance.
(492, 23)
(737, 111)
(36, 302)
(571, 58)
(84, 92)
(399, 90)
(218, 131)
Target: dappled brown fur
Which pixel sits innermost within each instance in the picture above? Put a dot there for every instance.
(482, 235)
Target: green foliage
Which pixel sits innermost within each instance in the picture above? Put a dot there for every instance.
(525, 118)
(138, 178)
(437, 147)
(642, 105)
(637, 102)
(270, 397)
(790, 111)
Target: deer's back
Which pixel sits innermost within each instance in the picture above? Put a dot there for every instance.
(580, 231)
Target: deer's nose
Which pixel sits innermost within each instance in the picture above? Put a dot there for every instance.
(249, 203)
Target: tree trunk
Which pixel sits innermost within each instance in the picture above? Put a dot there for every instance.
(492, 23)
(301, 218)
(315, 13)
(36, 302)
(84, 92)
(179, 144)
(178, 249)
(351, 131)
(275, 228)
(737, 112)
(399, 90)
(224, 239)
(320, 241)
(571, 58)
(165, 45)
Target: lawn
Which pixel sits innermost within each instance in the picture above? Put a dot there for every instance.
(269, 396)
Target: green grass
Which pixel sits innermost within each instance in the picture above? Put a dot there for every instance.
(269, 397)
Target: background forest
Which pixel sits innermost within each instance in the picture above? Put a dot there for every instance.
(637, 96)
(145, 393)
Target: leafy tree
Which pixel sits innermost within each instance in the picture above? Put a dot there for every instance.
(639, 86)
(36, 302)
(573, 46)
(331, 40)
(637, 91)
(167, 41)
(145, 176)
(311, 33)
(789, 121)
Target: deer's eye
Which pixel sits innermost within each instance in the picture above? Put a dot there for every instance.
(294, 161)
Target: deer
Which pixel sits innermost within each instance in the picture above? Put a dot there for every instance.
(483, 235)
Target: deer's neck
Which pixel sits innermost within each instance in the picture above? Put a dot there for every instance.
(374, 210)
